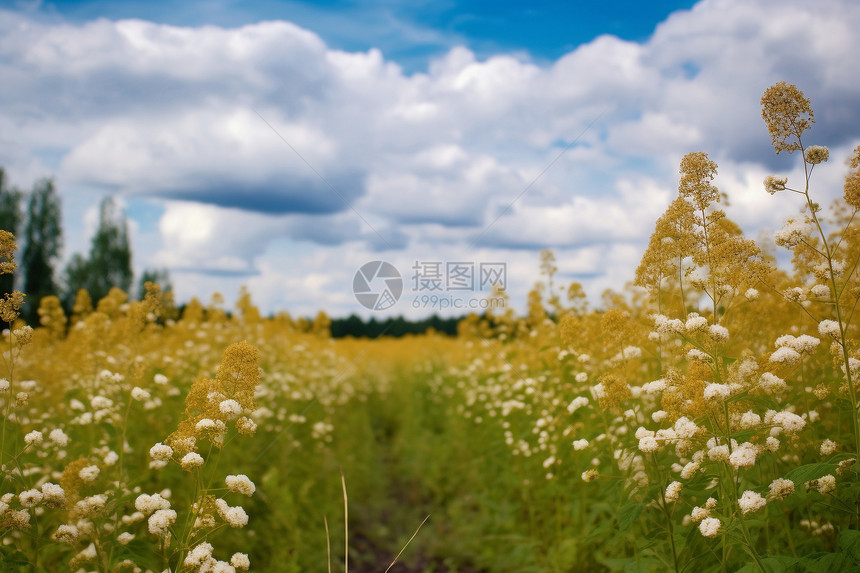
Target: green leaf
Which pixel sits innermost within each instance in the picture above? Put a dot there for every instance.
(809, 472)
(775, 564)
(628, 514)
(13, 560)
(849, 543)
(822, 563)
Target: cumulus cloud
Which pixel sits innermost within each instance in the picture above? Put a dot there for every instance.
(258, 135)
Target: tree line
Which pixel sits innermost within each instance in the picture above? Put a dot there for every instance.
(35, 218)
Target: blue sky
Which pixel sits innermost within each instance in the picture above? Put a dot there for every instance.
(281, 145)
(409, 33)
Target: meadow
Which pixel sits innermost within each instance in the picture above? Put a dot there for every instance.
(702, 418)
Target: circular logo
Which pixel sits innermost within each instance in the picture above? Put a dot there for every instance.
(377, 285)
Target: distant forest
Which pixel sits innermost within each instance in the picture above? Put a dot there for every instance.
(357, 327)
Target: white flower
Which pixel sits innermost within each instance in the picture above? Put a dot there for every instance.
(659, 416)
(191, 460)
(709, 527)
(673, 491)
(826, 484)
(66, 534)
(790, 422)
(827, 447)
(147, 504)
(234, 516)
(240, 484)
(689, 469)
(161, 452)
(201, 554)
(34, 438)
(111, 458)
(240, 561)
(140, 394)
(829, 327)
(792, 233)
(30, 497)
(160, 521)
(743, 456)
(780, 488)
(125, 538)
(751, 501)
(785, 355)
(89, 473)
(4, 385)
(577, 403)
(160, 379)
(816, 154)
(699, 513)
(59, 438)
(714, 391)
(771, 383)
(751, 294)
(580, 444)
(718, 332)
(648, 444)
(230, 408)
(820, 291)
(53, 495)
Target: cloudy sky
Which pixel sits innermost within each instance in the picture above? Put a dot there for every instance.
(283, 144)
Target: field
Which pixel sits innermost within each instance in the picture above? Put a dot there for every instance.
(702, 418)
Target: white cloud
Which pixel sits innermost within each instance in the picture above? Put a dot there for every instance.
(429, 159)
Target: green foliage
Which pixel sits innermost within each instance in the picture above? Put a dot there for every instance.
(43, 240)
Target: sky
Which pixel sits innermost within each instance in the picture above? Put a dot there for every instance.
(282, 145)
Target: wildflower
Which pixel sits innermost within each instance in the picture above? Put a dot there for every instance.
(160, 521)
(111, 458)
(718, 332)
(716, 391)
(147, 504)
(699, 513)
(140, 394)
(66, 534)
(689, 469)
(780, 488)
(240, 561)
(696, 323)
(30, 497)
(4, 385)
(793, 233)
(751, 502)
(829, 327)
(785, 355)
(34, 438)
(852, 181)
(787, 114)
(659, 416)
(773, 184)
(577, 403)
(246, 426)
(191, 460)
(816, 154)
(709, 527)
(240, 484)
(59, 438)
(53, 495)
(202, 553)
(790, 422)
(827, 447)
(125, 538)
(673, 491)
(230, 408)
(820, 291)
(580, 444)
(751, 294)
(590, 475)
(89, 473)
(825, 484)
(771, 383)
(160, 379)
(648, 444)
(772, 444)
(160, 452)
(234, 516)
(743, 456)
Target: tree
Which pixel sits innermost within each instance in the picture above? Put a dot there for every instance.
(10, 220)
(43, 236)
(161, 277)
(109, 263)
